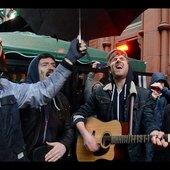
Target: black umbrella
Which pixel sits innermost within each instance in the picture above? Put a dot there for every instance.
(64, 23)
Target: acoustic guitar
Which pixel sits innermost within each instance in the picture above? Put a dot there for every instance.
(108, 135)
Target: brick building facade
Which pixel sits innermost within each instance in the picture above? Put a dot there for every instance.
(148, 38)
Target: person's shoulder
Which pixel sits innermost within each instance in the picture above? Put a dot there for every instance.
(5, 82)
(60, 94)
(142, 90)
(61, 97)
(96, 85)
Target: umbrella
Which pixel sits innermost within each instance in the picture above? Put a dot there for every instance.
(64, 23)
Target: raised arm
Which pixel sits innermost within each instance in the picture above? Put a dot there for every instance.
(40, 93)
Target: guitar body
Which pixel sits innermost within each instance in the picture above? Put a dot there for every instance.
(112, 137)
(98, 129)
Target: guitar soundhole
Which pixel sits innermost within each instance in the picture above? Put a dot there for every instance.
(104, 148)
(106, 140)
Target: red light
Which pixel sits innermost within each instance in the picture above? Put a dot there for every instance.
(123, 47)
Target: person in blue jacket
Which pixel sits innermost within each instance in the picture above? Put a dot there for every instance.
(14, 96)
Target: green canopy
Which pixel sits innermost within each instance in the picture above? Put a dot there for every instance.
(29, 45)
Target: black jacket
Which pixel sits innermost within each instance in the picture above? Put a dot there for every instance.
(102, 103)
(59, 126)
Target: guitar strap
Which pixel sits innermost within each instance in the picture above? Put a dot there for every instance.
(133, 93)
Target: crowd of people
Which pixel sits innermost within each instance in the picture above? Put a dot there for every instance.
(47, 128)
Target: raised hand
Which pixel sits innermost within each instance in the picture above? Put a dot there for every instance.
(76, 51)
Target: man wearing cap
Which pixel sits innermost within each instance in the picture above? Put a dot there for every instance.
(113, 102)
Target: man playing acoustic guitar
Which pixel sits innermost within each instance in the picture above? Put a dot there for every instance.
(118, 107)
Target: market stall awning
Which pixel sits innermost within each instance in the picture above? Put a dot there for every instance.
(29, 45)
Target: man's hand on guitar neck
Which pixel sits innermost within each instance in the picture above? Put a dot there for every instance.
(158, 138)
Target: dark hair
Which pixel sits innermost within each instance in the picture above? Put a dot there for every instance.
(46, 55)
(114, 53)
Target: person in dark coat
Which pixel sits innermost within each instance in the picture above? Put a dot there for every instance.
(48, 131)
(114, 102)
(161, 96)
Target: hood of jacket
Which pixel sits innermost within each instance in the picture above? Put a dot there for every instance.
(159, 77)
(32, 74)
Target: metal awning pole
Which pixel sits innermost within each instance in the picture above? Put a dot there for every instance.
(79, 26)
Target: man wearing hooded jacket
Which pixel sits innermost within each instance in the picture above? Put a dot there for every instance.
(50, 125)
(157, 105)
(113, 101)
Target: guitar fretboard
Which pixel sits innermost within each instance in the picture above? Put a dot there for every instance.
(130, 139)
(125, 139)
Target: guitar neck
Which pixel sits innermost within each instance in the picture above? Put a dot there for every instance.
(125, 139)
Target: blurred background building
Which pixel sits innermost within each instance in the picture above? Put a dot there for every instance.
(147, 38)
